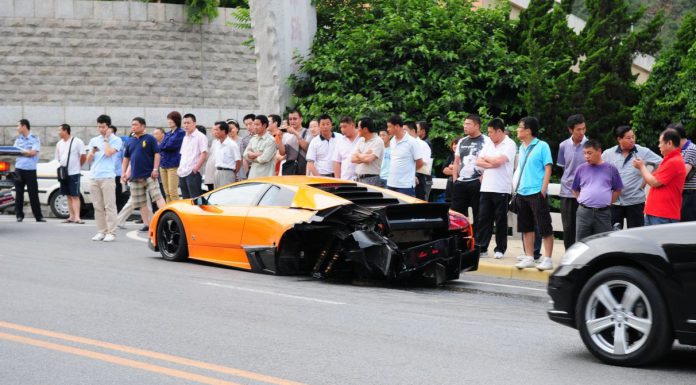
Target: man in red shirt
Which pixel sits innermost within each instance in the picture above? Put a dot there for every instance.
(663, 204)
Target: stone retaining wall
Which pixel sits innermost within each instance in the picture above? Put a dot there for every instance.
(71, 60)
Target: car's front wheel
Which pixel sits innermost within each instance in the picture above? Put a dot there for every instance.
(622, 318)
(171, 237)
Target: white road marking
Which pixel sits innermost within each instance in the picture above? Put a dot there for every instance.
(503, 285)
(134, 235)
(274, 293)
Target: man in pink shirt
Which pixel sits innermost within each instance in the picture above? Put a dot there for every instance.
(194, 151)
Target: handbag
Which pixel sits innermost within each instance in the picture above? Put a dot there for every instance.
(290, 167)
(62, 171)
(512, 205)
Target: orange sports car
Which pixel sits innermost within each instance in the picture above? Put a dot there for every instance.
(321, 226)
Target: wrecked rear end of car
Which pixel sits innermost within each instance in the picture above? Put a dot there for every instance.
(375, 236)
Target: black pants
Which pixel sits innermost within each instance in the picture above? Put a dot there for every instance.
(465, 195)
(633, 215)
(569, 209)
(688, 210)
(121, 198)
(27, 178)
(425, 183)
(493, 208)
(190, 185)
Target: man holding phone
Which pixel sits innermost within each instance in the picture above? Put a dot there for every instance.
(102, 154)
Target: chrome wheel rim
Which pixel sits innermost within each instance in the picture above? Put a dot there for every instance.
(61, 205)
(170, 236)
(618, 317)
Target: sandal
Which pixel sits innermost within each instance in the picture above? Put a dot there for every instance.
(80, 222)
(67, 221)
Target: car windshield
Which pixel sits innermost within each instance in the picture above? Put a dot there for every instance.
(239, 195)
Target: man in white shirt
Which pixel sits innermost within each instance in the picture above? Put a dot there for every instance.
(368, 154)
(496, 159)
(343, 167)
(321, 148)
(227, 158)
(194, 150)
(71, 153)
(423, 177)
(405, 158)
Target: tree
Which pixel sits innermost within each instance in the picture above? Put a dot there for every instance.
(543, 37)
(424, 59)
(669, 94)
(604, 89)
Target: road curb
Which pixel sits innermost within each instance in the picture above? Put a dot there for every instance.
(507, 271)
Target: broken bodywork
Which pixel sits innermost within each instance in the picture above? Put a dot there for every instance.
(400, 242)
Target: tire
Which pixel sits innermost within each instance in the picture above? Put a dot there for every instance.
(171, 237)
(626, 300)
(59, 204)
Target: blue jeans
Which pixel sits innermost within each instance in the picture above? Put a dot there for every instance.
(652, 220)
(190, 185)
(408, 191)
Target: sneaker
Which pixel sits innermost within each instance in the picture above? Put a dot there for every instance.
(498, 255)
(546, 264)
(527, 262)
(144, 229)
(483, 254)
(98, 237)
(109, 238)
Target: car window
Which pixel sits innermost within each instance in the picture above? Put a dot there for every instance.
(276, 196)
(240, 195)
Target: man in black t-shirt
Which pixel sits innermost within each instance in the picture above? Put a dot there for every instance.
(466, 175)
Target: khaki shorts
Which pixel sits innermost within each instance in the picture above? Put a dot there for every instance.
(139, 187)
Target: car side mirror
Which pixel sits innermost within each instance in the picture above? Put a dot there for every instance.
(200, 201)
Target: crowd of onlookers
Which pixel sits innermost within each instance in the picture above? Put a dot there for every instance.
(489, 174)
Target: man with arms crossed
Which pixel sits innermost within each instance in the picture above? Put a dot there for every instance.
(368, 154)
(496, 159)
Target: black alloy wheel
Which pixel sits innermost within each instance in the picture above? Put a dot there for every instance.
(171, 238)
(622, 318)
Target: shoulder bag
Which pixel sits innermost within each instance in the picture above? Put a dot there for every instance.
(62, 171)
(512, 206)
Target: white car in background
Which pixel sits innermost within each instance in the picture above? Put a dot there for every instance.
(49, 190)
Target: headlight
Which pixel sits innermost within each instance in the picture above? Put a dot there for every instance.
(573, 253)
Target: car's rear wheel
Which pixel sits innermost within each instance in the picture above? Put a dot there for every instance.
(171, 237)
(59, 204)
(622, 317)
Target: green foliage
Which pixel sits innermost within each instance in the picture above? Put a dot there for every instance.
(549, 46)
(604, 90)
(423, 59)
(669, 95)
(199, 11)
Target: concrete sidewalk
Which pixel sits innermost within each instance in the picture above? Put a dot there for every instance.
(505, 267)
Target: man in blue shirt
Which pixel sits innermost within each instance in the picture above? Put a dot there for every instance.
(25, 168)
(531, 182)
(102, 153)
(142, 176)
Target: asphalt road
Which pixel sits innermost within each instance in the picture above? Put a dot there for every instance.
(73, 311)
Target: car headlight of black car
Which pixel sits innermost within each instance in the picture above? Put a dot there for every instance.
(573, 253)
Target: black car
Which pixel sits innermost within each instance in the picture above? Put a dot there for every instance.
(629, 293)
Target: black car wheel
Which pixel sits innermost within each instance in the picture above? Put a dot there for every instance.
(622, 317)
(171, 238)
